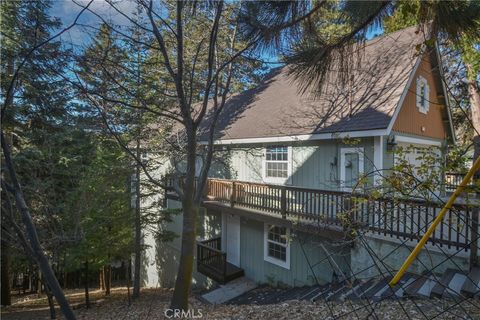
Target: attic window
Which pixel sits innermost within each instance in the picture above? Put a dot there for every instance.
(423, 93)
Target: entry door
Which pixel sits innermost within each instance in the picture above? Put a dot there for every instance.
(351, 167)
(231, 238)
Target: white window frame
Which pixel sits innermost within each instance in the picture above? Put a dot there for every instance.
(284, 264)
(277, 180)
(361, 164)
(423, 108)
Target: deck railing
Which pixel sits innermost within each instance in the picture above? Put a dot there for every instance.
(211, 259)
(453, 180)
(405, 219)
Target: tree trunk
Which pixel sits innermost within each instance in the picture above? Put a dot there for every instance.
(190, 211)
(33, 236)
(138, 229)
(87, 296)
(5, 277)
(51, 305)
(107, 278)
(185, 268)
(102, 279)
(474, 97)
(127, 278)
(39, 283)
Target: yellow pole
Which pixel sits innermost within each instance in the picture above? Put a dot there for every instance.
(438, 219)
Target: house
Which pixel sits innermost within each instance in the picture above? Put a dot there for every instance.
(283, 206)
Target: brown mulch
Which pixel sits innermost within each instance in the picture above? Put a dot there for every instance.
(154, 303)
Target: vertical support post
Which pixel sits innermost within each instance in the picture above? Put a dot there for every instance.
(199, 255)
(474, 237)
(232, 196)
(206, 189)
(224, 258)
(347, 206)
(283, 202)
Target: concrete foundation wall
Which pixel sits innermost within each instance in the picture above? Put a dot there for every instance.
(374, 257)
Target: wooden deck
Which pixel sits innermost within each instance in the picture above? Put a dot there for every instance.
(342, 214)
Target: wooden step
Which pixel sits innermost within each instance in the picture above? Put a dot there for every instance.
(329, 291)
(442, 283)
(358, 291)
(312, 292)
(471, 287)
(455, 286)
(397, 291)
(404, 284)
(341, 292)
(421, 287)
(379, 286)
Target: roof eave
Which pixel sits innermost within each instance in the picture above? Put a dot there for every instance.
(303, 137)
(447, 100)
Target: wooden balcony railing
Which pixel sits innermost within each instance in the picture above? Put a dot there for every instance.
(453, 180)
(399, 218)
(212, 261)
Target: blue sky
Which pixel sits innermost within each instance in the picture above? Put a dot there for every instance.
(67, 10)
(80, 35)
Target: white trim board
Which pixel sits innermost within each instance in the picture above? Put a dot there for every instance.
(445, 92)
(304, 137)
(415, 140)
(282, 181)
(378, 151)
(266, 257)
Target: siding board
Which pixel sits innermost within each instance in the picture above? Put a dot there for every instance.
(410, 119)
(300, 272)
(314, 165)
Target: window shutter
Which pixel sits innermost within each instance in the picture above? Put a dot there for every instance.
(418, 93)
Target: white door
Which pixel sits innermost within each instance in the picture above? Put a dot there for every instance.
(351, 168)
(231, 238)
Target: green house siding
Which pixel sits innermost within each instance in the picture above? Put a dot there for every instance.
(306, 264)
(168, 252)
(315, 164)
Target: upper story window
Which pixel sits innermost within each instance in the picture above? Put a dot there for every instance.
(277, 166)
(423, 93)
(277, 247)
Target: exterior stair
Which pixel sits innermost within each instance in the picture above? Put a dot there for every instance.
(450, 285)
(472, 284)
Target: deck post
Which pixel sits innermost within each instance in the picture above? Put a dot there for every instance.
(224, 258)
(474, 235)
(232, 196)
(283, 202)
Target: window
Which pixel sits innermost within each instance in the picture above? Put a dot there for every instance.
(351, 169)
(277, 164)
(423, 93)
(277, 248)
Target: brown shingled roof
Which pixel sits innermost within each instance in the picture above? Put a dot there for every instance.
(277, 108)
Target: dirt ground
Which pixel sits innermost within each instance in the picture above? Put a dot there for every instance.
(153, 304)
